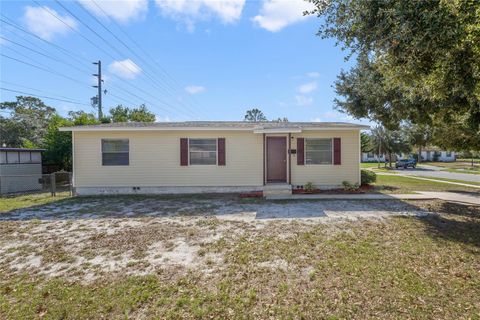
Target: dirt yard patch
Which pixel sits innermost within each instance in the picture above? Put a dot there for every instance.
(172, 257)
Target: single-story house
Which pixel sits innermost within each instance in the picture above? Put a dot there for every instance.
(427, 155)
(213, 156)
(20, 170)
(438, 155)
(372, 157)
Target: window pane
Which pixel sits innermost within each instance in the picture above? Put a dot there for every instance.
(203, 144)
(203, 158)
(115, 159)
(3, 156)
(12, 157)
(114, 145)
(319, 157)
(24, 157)
(318, 151)
(36, 157)
(319, 144)
(203, 151)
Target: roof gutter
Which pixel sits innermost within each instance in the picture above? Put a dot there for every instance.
(278, 130)
(257, 130)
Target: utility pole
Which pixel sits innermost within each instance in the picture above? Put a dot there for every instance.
(99, 87)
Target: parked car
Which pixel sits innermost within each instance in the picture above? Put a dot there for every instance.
(405, 163)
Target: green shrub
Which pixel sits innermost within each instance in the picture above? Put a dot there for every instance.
(349, 187)
(368, 177)
(309, 186)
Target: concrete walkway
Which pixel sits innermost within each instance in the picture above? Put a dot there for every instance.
(453, 197)
(447, 196)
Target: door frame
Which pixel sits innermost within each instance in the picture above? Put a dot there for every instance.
(285, 152)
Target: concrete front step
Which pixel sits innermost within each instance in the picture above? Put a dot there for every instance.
(277, 189)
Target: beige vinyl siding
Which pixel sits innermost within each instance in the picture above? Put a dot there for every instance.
(155, 160)
(329, 174)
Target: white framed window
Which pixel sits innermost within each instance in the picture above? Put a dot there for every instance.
(25, 157)
(36, 157)
(202, 151)
(449, 154)
(318, 151)
(115, 152)
(13, 157)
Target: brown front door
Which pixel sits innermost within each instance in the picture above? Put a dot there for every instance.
(276, 159)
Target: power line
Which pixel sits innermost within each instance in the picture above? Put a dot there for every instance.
(84, 37)
(77, 57)
(147, 74)
(122, 42)
(34, 89)
(45, 55)
(63, 50)
(141, 49)
(88, 72)
(44, 97)
(41, 68)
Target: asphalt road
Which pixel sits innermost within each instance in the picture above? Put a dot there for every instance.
(436, 172)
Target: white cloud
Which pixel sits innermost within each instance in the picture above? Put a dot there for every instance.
(337, 116)
(317, 119)
(40, 21)
(191, 11)
(277, 14)
(313, 74)
(162, 119)
(307, 87)
(125, 69)
(303, 100)
(195, 89)
(121, 10)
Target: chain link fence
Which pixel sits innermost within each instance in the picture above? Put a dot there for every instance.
(53, 183)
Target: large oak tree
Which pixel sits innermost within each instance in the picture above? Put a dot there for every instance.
(416, 60)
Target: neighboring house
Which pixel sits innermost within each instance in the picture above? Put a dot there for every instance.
(438, 155)
(20, 170)
(428, 155)
(372, 157)
(208, 156)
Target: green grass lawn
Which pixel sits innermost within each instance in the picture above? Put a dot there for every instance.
(457, 166)
(406, 267)
(453, 180)
(29, 200)
(374, 167)
(402, 184)
(469, 160)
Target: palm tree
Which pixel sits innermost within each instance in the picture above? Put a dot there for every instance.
(388, 142)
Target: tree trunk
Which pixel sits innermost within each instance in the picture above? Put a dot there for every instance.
(419, 154)
(378, 157)
(472, 160)
(390, 160)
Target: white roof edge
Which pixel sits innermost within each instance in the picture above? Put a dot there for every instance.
(152, 129)
(278, 130)
(255, 130)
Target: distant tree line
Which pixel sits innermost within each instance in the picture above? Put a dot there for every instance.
(28, 122)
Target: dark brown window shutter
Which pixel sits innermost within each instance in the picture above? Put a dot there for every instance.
(183, 151)
(300, 151)
(221, 151)
(337, 151)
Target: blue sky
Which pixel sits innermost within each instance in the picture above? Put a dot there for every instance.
(220, 58)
